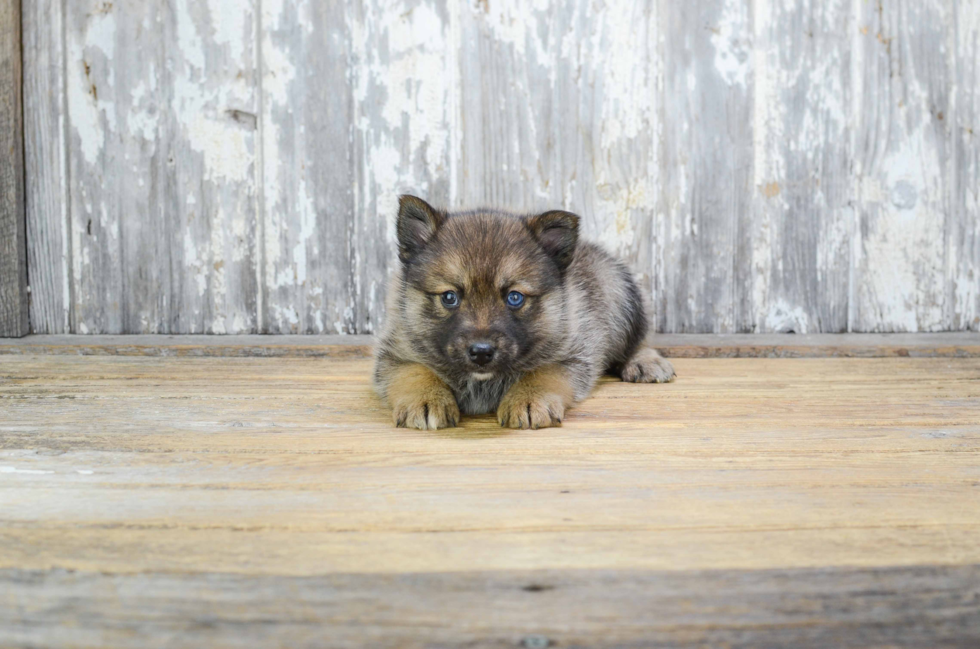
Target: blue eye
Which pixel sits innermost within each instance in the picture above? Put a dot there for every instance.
(450, 299)
(515, 299)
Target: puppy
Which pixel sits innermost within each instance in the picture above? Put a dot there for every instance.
(493, 312)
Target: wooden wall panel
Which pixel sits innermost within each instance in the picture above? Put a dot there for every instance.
(404, 79)
(707, 164)
(49, 244)
(13, 246)
(559, 109)
(307, 171)
(162, 120)
(802, 217)
(764, 166)
(901, 98)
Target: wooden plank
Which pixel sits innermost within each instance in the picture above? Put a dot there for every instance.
(706, 166)
(45, 155)
(902, 85)
(560, 106)
(242, 501)
(307, 168)
(162, 109)
(13, 245)
(945, 345)
(405, 116)
(963, 219)
(843, 462)
(802, 217)
(894, 607)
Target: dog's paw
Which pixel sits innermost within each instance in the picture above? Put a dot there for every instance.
(528, 409)
(647, 366)
(428, 411)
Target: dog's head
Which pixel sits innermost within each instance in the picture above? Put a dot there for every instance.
(484, 290)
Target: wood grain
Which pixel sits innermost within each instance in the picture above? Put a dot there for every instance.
(814, 501)
(763, 166)
(902, 86)
(707, 161)
(802, 217)
(307, 169)
(161, 106)
(946, 345)
(893, 607)
(963, 219)
(45, 157)
(13, 248)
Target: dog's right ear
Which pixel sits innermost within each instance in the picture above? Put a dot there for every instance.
(417, 223)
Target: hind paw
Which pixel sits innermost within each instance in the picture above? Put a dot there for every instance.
(648, 366)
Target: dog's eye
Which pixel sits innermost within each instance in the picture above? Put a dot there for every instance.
(450, 299)
(515, 299)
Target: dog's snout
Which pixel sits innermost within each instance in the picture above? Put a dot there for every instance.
(481, 353)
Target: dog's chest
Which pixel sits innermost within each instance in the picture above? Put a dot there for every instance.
(481, 397)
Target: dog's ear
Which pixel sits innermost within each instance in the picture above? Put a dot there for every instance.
(417, 223)
(557, 232)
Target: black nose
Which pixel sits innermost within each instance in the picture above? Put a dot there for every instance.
(481, 353)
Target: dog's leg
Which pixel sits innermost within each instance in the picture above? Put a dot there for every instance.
(538, 399)
(418, 398)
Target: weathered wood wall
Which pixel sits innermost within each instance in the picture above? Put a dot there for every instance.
(13, 247)
(765, 165)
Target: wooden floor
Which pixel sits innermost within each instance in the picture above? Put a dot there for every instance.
(225, 502)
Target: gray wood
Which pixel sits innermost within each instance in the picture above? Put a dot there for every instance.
(45, 157)
(944, 345)
(767, 166)
(801, 222)
(559, 109)
(13, 247)
(307, 169)
(162, 103)
(916, 606)
(707, 165)
(902, 87)
(405, 81)
(962, 45)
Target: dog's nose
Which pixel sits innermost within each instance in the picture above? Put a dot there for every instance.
(481, 353)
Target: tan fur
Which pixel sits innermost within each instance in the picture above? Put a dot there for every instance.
(537, 400)
(419, 399)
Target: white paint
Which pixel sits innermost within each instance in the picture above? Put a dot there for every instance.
(10, 469)
(730, 38)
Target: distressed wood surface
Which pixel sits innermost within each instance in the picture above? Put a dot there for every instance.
(764, 166)
(13, 246)
(307, 168)
(45, 157)
(802, 217)
(161, 145)
(836, 607)
(944, 345)
(901, 95)
(821, 501)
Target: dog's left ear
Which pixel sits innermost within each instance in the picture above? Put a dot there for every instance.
(417, 224)
(557, 232)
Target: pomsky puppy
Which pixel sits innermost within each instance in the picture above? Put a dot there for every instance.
(496, 312)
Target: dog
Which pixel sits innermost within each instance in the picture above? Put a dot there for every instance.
(496, 312)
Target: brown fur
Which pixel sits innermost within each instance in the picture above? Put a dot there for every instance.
(537, 400)
(581, 315)
(419, 399)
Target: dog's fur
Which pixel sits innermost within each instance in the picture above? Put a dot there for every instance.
(583, 315)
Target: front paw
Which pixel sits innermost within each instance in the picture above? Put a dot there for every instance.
(528, 409)
(429, 411)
